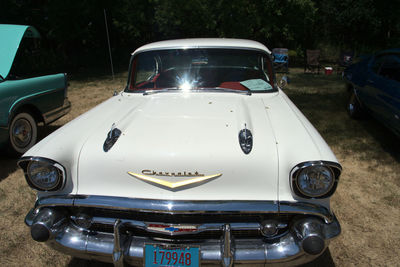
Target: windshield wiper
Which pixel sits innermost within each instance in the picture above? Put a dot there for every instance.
(217, 89)
(156, 91)
(200, 89)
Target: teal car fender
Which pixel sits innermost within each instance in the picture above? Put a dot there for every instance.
(26, 102)
(44, 97)
(44, 94)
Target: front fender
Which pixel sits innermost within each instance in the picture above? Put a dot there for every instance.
(45, 93)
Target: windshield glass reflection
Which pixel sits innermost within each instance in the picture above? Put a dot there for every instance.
(198, 69)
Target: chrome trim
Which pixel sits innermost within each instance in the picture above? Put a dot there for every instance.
(24, 162)
(49, 219)
(28, 100)
(187, 206)
(209, 227)
(334, 167)
(312, 229)
(30, 216)
(118, 251)
(267, 52)
(285, 250)
(275, 226)
(57, 113)
(198, 90)
(226, 247)
(305, 208)
(77, 221)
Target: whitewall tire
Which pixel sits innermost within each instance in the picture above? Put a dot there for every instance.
(22, 133)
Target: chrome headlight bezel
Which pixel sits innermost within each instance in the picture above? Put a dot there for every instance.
(26, 162)
(334, 168)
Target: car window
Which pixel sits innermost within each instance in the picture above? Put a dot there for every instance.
(390, 67)
(146, 70)
(201, 68)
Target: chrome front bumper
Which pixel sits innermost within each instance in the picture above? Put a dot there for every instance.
(119, 247)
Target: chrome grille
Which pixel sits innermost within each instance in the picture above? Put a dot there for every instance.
(106, 225)
(203, 235)
(194, 218)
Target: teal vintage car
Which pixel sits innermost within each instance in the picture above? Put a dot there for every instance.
(25, 101)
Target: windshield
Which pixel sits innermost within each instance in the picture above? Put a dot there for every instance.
(200, 69)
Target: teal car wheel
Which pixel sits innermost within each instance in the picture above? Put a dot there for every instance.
(23, 132)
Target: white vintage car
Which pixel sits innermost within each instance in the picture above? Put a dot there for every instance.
(201, 159)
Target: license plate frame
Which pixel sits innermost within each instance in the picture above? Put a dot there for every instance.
(157, 255)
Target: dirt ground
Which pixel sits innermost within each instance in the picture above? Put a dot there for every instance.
(367, 201)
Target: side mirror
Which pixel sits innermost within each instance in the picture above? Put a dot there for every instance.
(283, 82)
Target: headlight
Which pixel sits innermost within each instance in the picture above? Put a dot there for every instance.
(43, 174)
(315, 179)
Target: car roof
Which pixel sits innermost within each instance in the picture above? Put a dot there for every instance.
(11, 36)
(204, 43)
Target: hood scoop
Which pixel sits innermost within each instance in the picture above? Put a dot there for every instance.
(112, 137)
(246, 140)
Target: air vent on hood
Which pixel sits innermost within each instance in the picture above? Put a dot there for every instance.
(246, 140)
(112, 137)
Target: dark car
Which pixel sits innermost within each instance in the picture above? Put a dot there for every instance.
(374, 85)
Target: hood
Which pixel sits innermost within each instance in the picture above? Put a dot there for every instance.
(176, 137)
(11, 36)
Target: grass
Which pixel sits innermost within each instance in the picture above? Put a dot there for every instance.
(367, 201)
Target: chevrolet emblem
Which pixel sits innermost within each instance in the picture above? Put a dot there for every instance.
(174, 185)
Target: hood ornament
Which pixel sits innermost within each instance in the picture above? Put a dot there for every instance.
(174, 186)
(112, 137)
(246, 140)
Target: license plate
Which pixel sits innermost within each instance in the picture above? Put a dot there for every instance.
(171, 255)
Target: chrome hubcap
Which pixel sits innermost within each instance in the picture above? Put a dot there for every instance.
(21, 133)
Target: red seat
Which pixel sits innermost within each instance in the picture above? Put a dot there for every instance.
(233, 85)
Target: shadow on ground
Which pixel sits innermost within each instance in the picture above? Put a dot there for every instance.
(7, 166)
(324, 260)
(75, 262)
(44, 131)
(325, 107)
(388, 141)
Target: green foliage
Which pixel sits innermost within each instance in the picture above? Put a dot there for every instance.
(74, 31)
(360, 24)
